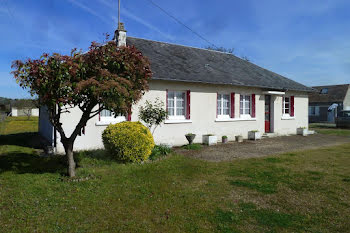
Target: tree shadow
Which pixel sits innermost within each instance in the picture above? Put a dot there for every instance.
(21, 163)
(32, 140)
(21, 153)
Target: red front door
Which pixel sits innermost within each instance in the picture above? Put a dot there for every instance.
(267, 113)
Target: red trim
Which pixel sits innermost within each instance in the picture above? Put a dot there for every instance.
(232, 105)
(129, 114)
(188, 103)
(292, 106)
(239, 99)
(253, 106)
(166, 101)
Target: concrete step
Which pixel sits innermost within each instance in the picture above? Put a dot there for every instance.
(269, 135)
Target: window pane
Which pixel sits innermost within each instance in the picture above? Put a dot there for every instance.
(106, 113)
(171, 111)
(219, 105)
(170, 95)
(171, 103)
(226, 105)
(180, 111)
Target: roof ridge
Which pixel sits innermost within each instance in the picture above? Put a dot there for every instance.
(163, 42)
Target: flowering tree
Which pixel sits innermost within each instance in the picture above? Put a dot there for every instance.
(153, 114)
(106, 77)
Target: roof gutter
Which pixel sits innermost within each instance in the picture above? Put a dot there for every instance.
(235, 84)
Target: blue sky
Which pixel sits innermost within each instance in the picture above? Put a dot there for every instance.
(308, 41)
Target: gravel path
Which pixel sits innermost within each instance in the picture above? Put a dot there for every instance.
(264, 147)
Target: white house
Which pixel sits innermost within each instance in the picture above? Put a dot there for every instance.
(24, 111)
(206, 92)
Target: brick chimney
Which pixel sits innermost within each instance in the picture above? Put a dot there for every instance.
(120, 35)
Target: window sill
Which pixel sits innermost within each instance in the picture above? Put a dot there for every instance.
(106, 123)
(180, 121)
(235, 119)
(287, 117)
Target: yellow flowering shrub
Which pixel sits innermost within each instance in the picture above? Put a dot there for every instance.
(128, 141)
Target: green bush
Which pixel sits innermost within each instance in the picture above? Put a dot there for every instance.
(160, 151)
(128, 141)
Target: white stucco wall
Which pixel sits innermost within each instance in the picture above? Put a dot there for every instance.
(20, 112)
(203, 116)
(35, 112)
(14, 112)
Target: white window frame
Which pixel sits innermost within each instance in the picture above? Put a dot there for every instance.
(175, 116)
(243, 114)
(284, 106)
(106, 120)
(220, 97)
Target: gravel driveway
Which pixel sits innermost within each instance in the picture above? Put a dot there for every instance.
(264, 147)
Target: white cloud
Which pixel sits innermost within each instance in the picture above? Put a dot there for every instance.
(132, 16)
(89, 10)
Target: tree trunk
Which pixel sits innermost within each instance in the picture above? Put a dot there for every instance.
(70, 159)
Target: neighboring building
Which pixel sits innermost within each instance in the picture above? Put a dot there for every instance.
(325, 104)
(15, 111)
(206, 92)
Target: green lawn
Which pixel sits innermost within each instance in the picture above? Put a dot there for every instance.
(329, 129)
(295, 192)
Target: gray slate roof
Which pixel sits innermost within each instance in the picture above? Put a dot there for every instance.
(336, 93)
(180, 63)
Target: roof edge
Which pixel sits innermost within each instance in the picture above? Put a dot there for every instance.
(255, 86)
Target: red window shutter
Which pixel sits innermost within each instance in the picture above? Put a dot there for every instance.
(217, 107)
(232, 105)
(188, 104)
(292, 106)
(166, 100)
(253, 106)
(129, 114)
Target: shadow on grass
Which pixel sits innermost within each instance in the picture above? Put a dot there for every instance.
(33, 140)
(31, 163)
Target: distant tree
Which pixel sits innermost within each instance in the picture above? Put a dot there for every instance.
(245, 58)
(153, 114)
(226, 50)
(27, 112)
(221, 49)
(106, 77)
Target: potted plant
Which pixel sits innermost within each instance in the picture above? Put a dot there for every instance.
(254, 135)
(239, 138)
(210, 139)
(302, 131)
(224, 139)
(190, 137)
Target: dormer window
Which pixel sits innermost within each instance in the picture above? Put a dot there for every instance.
(324, 91)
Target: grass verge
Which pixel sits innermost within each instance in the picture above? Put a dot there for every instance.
(305, 191)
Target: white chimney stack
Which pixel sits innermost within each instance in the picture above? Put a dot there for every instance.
(120, 33)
